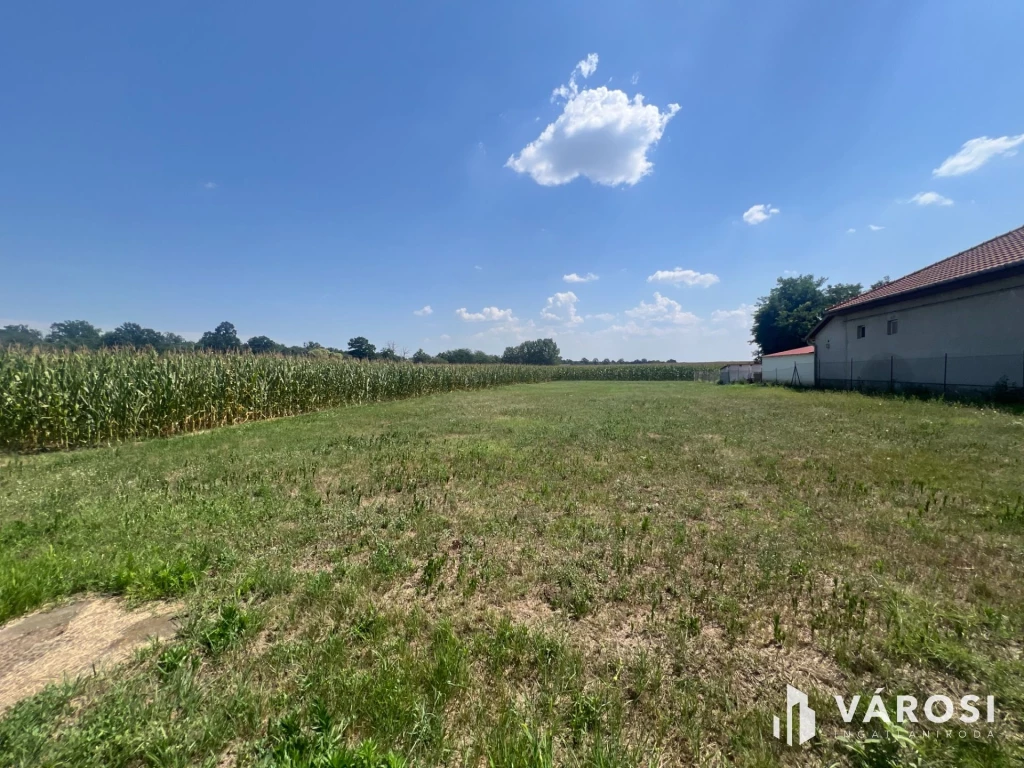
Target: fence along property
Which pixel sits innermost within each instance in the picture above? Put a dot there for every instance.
(946, 374)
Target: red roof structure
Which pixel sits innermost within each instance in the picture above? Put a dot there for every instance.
(797, 351)
(992, 255)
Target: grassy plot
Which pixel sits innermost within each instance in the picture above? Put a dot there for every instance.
(58, 400)
(587, 573)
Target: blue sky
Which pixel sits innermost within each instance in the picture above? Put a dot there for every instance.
(323, 170)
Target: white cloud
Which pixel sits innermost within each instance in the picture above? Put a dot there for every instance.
(757, 213)
(601, 134)
(741, 317)
(603, 316)
(850, 231)
(423, 312)
(444, 337)
(574, 278)
(487, 314)
(635, 78)
(210, 185)
(875, 228)
(477, 267)
(561, 308)
(976, 152)
(588, 66)
(930, 198)
(679, 276)
(663, 310)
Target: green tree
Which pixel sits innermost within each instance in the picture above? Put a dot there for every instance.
(460, 356)
(20, 335)
(536, 352)
(74, 334)
(174, 341)
(262, 345)
(879, 283)
(785, 316)
(134, 335)
(419, 356)
(223, 338)
(361, 348)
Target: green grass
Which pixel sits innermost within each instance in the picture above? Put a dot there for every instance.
(59, 400)
(589, 573)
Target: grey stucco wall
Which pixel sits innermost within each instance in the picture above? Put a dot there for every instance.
(981, 328)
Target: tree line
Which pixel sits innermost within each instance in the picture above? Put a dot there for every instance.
(83, 335)
(782, 320)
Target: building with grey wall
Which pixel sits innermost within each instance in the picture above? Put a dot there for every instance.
(793, 366)
(957, 325)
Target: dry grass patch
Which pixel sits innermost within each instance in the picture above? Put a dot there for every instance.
(84, 636)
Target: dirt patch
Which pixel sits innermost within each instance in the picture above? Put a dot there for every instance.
(49, 646)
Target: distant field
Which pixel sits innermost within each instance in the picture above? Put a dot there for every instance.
(60, 400)
(568, 573)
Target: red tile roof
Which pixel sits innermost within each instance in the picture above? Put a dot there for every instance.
(994, 254)
(797, 351)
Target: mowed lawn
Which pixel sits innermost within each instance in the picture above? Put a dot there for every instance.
(553, 574)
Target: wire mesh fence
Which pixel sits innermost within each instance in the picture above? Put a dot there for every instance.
(946, 374)
(706, 376)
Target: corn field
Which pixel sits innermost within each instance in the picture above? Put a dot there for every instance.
(68, 400)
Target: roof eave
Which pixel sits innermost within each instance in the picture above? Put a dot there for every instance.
(976, 277)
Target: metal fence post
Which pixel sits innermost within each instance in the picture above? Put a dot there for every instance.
(945, 368)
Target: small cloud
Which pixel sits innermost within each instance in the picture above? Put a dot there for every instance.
(850, 231)
(758, 213)
(635, 78)
(209, 185)
(680, 276)
(574, 278)
(478, 267)
(875, 228)
(444, 337)
(976, 152)
(487, 314)
(663, 310)
(740, 317)
(605, 316)
(423, 312)
(588, 66)
(930, 198)
(561, 308)
(602, 134)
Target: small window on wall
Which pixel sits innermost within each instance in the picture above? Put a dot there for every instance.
(861, 331)
(893, 327)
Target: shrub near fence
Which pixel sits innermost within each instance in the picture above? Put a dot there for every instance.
(67, 400)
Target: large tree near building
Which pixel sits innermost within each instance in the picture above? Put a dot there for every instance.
(785, 316)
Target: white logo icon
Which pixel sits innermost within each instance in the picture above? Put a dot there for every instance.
(805, 717)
